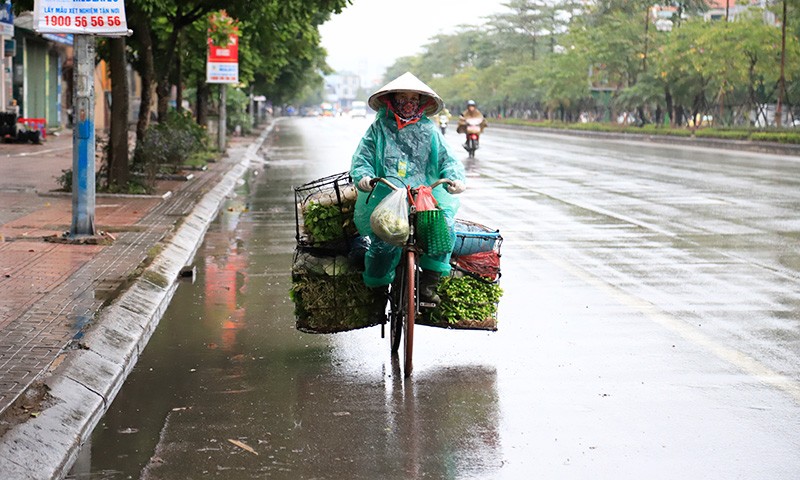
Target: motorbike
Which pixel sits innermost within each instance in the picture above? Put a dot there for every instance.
(473, 134)
(443, 123)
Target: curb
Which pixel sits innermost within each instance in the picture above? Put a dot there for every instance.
(163, 196)
(738, 145)
(83, 387)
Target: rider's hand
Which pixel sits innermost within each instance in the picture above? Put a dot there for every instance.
(457, 186)
(364, 185)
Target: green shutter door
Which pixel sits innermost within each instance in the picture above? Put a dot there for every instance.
(53, 94)
(36, 80)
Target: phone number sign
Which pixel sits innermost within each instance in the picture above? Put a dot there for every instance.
(223, 61)
(92, 17)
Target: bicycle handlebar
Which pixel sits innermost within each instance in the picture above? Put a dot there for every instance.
(435, 184)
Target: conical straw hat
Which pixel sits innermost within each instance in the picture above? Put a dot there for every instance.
(407, 82)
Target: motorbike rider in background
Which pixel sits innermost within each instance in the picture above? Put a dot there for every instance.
(471, 112)
(442, 119)
(403, 146)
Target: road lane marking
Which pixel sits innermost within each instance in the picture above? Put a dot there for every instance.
(738, 359)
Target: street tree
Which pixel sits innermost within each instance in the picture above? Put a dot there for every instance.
(521, 29)
(563, 82)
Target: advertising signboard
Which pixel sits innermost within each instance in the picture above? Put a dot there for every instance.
(6, 20)
(222, 65)
(90, 17)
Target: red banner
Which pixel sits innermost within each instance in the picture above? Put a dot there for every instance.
(222, 65)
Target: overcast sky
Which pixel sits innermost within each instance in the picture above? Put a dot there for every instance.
(369, 35)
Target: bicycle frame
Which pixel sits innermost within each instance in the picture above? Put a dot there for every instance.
(404, 304)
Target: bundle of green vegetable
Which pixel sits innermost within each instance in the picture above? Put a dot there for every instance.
(467, 302)
(328, 217)
(331, 297)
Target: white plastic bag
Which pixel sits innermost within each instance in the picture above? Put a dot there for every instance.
(389, 220)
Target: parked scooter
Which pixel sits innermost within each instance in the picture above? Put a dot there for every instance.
(443, 122)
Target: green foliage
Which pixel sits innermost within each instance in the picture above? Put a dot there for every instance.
(237, 111)
(134, 187)
(779, 137)
(606, 58)
(201, 158)
(169, 144)
(723, 134)
(64, 180)
(221, 27)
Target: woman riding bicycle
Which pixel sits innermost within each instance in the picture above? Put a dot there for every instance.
(404, 146)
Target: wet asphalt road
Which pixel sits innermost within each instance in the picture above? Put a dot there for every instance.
(650, 328)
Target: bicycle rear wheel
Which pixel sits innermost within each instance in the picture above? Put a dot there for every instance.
(397, 307)
(410, 308)
(395, 318)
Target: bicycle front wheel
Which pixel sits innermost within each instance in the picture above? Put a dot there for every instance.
(410, 309)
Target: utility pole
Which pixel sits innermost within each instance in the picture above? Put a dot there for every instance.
(73, 17)
(223, 121)
(252, 108)
(782, 79)
(646, 38)
(83, 141)
(222, 66)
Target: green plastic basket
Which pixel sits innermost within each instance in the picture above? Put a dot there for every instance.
(433, 235)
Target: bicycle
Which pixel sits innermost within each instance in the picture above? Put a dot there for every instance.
(404, 302)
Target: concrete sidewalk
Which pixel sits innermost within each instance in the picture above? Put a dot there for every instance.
(65, 348)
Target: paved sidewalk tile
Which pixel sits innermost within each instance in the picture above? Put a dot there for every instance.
(50, 291)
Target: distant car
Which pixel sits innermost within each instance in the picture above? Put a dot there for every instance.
(358, 109)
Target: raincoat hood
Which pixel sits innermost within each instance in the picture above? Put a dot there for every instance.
(407, 82)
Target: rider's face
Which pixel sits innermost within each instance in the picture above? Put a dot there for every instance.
(406, 103)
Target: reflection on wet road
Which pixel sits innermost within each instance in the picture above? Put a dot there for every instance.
(648, 330)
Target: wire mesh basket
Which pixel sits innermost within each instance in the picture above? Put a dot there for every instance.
(470, 295)
(329, 293)
(324, 212)
(474, 238)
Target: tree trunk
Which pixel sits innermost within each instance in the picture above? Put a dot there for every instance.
(670, 107)
(203, 92)
(679, 116)
(147, 72)
(163, 88)
(118, 172)
(178, 80)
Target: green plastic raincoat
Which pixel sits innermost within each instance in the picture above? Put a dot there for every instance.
(412, 156)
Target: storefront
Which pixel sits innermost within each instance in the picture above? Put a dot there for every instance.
(37, 85)
(8, 50)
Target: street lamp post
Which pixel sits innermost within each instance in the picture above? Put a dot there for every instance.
(782, 79)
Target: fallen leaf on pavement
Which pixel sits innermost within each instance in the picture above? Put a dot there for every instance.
(243, 446)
